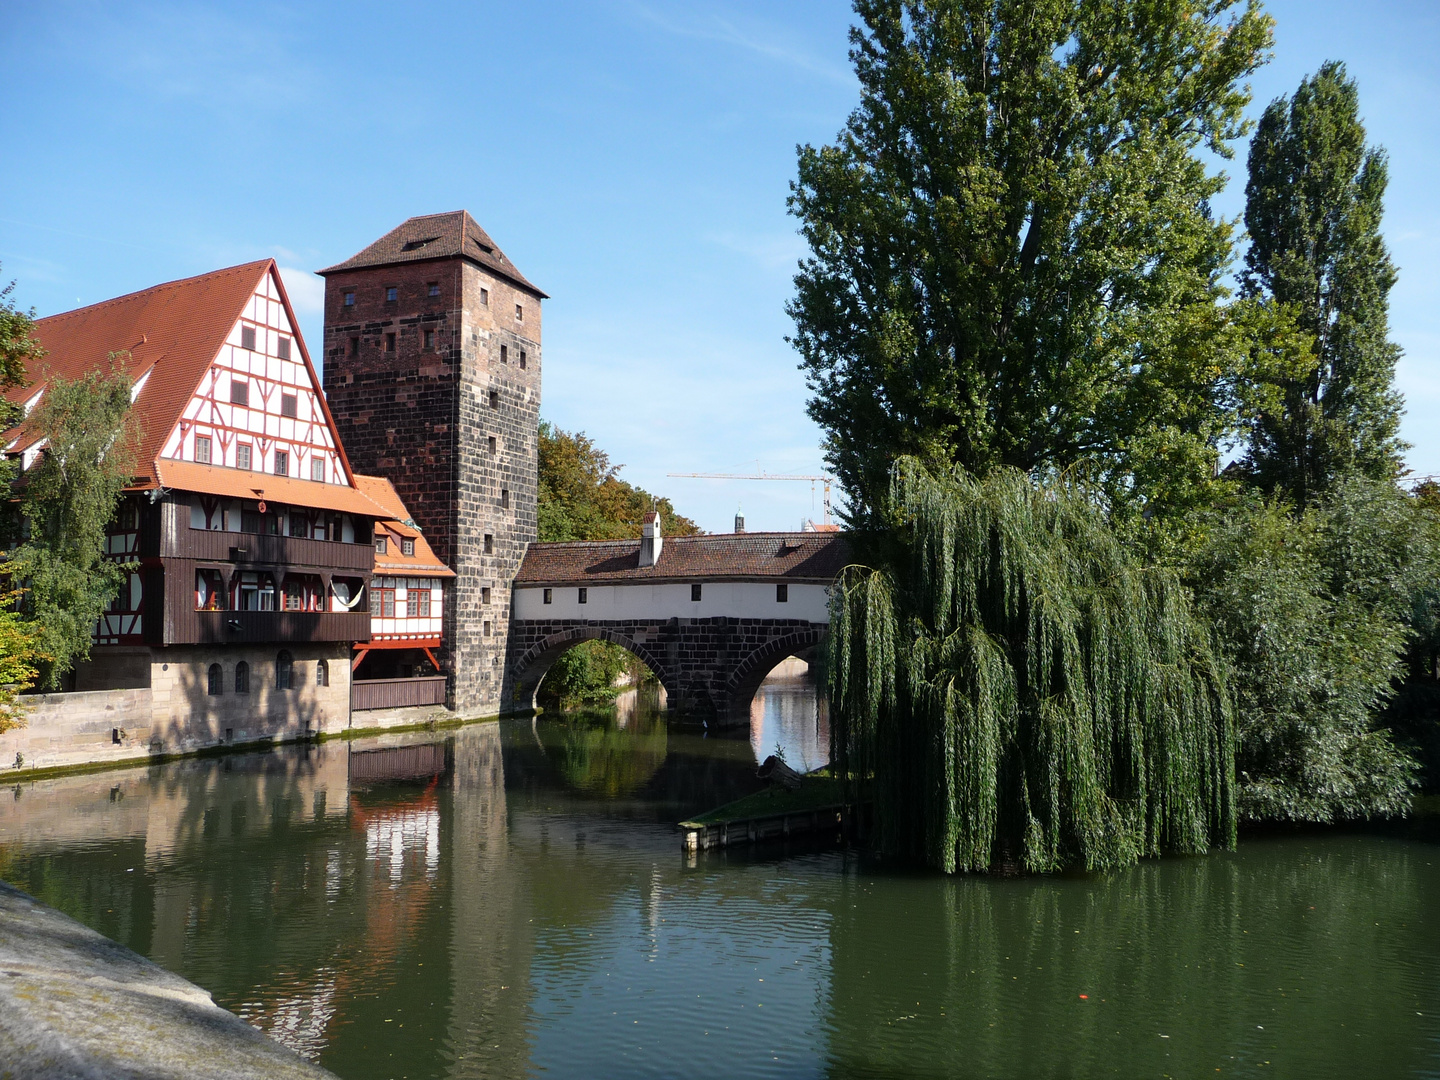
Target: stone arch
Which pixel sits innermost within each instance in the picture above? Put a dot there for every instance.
(530, 670)
(747, 676)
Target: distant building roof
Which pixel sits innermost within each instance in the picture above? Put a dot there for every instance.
(397, 522)
(791, 556)
(437, 236)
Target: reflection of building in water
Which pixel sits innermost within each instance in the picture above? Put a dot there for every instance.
(789, 712)
(491, 935)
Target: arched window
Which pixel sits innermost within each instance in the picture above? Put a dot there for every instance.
(322, 673)
(242, 678)
(217, 681)
(284, 670)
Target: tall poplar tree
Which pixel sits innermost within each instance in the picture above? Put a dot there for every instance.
(1013, 259)
(1313, 206)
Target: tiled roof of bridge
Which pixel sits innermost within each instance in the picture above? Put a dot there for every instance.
(795, 556)
(436, 236)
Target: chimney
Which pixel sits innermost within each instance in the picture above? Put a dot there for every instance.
(739, 520)
(650, 539)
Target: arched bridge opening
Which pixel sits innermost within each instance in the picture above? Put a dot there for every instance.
(529, 670)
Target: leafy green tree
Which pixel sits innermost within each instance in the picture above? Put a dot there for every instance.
(1314, 611)
(1011, 684)
(68, 498)
(583, 498)
(1013, 259)
(1313, 207)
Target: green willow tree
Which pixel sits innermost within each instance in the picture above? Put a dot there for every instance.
(1011, 685)
(68, 498)
(1013, 260)
(1314, 201)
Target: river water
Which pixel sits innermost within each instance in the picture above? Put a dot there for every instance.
(512, 900)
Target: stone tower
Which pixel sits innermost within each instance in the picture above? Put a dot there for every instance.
(432, 371)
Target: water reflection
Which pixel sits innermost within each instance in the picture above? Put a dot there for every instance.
(510, 899)
(787, 717)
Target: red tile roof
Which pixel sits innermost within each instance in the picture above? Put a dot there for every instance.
(398, 523)
(244, 484)
(436, 236)
(173, 333)
(793, 556)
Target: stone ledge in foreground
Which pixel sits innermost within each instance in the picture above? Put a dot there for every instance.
(74, 1004)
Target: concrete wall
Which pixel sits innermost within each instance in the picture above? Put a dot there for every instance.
(718, 599)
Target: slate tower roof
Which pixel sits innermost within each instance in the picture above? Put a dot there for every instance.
(437, 236)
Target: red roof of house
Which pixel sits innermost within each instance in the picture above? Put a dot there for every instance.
(792, 556)
(436, 236)
(398, 523)
(172, 333)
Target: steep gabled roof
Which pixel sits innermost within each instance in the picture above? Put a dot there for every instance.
(173, 333)
(436, 236)
(182, 323)
(788, 556)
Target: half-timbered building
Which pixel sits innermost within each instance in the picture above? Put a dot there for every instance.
(250, 541)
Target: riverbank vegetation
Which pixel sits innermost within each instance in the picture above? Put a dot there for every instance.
(581, 497)
(55, 578)
(1135, 566)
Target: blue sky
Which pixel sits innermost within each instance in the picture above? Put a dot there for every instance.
(632, 158)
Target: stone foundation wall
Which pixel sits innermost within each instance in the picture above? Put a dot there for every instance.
(79, 729)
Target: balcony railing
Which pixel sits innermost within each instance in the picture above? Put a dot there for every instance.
(252, 627)
(397, 693)
(247, 548)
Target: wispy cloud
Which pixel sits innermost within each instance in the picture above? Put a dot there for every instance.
(760, 39)
(773, 251)
(306, 290)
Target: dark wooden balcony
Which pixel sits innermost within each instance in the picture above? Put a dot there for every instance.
(247, 549)
(397, 693)
(256, 627)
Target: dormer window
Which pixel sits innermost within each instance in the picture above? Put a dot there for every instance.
(407, 546)
(382, 545)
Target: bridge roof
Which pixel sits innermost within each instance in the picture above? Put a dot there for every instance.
(791, 556)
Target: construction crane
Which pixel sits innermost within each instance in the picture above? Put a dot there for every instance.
(826, 480)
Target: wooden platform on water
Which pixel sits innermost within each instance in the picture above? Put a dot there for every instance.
(702, 836)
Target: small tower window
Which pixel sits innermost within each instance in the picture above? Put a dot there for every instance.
(487, 627)
(429, 340)
(390, 343)
(695, 592)
(282, 348)
(349, 297)
(489, 544)
(484, 297)
(407, 546)
(490, 444)
(282, 463)
(547, 596)
(247, 338)
(322, 673)
(504, 355)
(392, 293)
(522, 359)
(289, 405)
(354, 346)
(216, 681)
(519, 313)
(505, 498)
(202, 449)
(485, 594)
(240, 392)
(433, 289)
(494, 399)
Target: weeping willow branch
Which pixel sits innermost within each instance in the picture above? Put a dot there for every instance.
(1015, 685)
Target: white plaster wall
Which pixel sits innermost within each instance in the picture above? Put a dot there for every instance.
(727, 599)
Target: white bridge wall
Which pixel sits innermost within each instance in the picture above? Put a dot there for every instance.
(650, 603)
